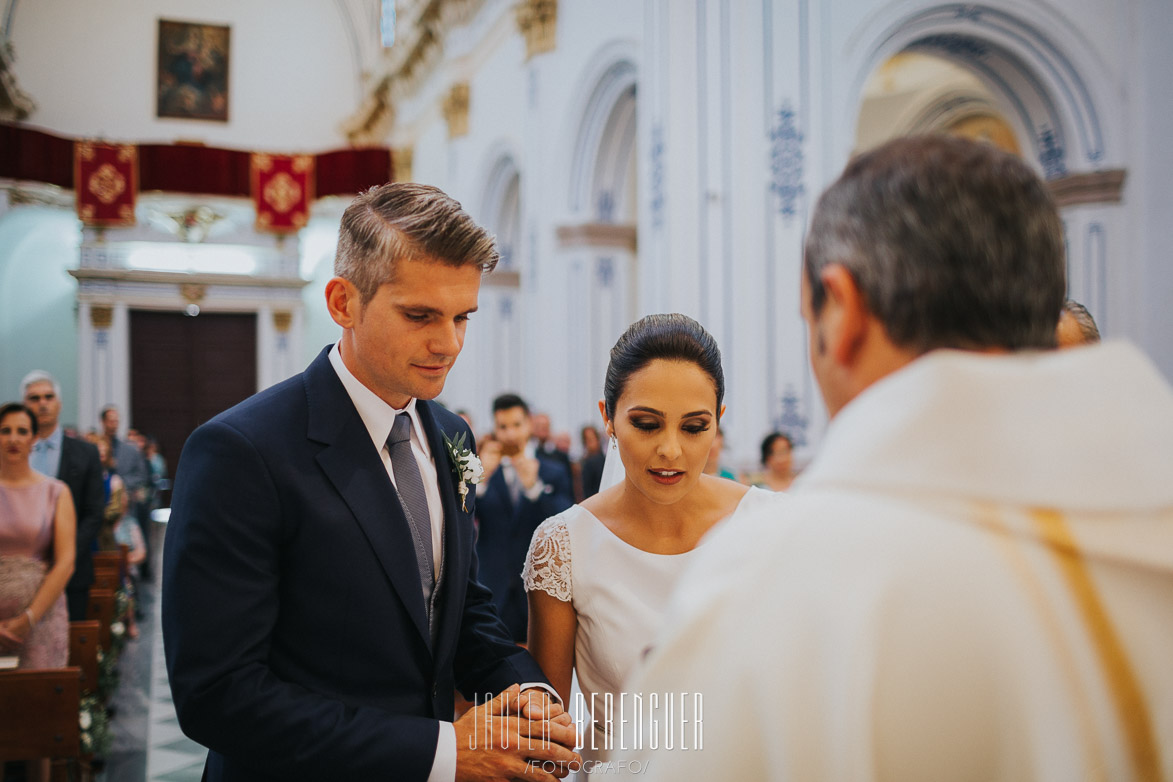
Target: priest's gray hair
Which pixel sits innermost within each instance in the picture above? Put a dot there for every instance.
(952, 244)
(407, 221)
(1083, 319)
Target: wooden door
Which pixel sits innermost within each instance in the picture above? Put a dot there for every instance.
(184, 371)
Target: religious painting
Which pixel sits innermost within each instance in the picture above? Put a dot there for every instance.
(192, 78)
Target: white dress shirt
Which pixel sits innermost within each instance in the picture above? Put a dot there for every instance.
(379, 417)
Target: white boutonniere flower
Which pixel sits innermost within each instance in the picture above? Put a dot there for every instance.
(465, 465)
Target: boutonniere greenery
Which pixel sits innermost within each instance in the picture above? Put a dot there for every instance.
(465, 465)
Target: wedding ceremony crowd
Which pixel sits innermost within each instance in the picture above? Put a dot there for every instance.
(971, 579)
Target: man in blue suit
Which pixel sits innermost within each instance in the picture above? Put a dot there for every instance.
(320, 591)
(521, 489)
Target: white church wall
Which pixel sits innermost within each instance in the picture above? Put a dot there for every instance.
(1147, 191)
(91, 71)
(38, 304)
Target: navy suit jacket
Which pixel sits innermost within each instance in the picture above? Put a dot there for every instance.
(504, 534)
(293, 617)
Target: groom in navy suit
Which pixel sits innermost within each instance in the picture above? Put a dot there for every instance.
(320, 591)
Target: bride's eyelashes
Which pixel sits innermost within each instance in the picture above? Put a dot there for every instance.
(651, 425)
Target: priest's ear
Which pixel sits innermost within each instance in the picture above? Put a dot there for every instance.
(844, 320)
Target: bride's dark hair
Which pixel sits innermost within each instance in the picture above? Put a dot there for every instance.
(672, 337)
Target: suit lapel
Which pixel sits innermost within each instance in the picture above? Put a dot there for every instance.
(353, 465)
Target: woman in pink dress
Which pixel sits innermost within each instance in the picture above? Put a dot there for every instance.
(36, 549)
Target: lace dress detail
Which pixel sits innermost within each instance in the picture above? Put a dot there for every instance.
(547, 565)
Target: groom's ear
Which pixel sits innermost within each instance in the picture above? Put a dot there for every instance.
(343, 302)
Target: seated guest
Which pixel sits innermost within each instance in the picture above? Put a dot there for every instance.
(520, 489)
(778, 461)
(1076, 326)
(969, 582)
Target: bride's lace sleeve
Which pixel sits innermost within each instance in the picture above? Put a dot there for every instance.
(547, 565)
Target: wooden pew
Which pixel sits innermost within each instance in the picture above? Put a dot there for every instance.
(107, 578)
(83, 652)
(113, 559)
(40, 709)
(101, 608)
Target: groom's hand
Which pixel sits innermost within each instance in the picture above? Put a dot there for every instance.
(491, 743)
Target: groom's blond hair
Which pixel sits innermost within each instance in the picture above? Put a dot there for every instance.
(406, 221)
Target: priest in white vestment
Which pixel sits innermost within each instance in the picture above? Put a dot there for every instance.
(974, 578)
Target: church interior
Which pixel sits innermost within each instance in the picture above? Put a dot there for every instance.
(173, 174)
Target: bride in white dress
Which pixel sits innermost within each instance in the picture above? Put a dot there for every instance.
(599, 574)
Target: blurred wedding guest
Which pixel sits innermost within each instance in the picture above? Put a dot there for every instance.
(157, 465)
(115, 501)
(1076, 326)
(599, 574)
(778, 462)
(713, 464)
(969, 582)
(590, 467)
(36, 549)
(132, 468)
(546, 444)
(521, 488)
(77, 464)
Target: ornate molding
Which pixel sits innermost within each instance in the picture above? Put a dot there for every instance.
(597, 235)
(282, 320)
(101, 317)
(502, 278)
(537, 20)
(193, 293)
(456, 110)
(185, 278)
(401, 161)
(1097, 187)
(14, 103)
(39, 194)
(375, 116)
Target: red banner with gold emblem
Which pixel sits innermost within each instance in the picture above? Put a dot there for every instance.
(282, 188)
(105, 179)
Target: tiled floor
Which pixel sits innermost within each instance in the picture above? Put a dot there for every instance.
(148, 745)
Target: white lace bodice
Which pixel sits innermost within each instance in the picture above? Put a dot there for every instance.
(547, 565)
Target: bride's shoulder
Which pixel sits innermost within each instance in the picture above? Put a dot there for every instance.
(560, 522)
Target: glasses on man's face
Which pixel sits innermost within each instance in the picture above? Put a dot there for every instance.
(34, 398)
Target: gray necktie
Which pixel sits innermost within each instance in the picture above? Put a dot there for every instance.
(410, 486)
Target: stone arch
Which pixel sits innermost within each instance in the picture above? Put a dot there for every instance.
(602, 159)
(501, 207)
(1064, 107)
(597, 241)
(1066, 118)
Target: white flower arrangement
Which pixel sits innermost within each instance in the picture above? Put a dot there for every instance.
(117, 629)
(465, 465)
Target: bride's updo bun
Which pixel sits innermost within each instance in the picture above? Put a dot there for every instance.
(670, 337)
